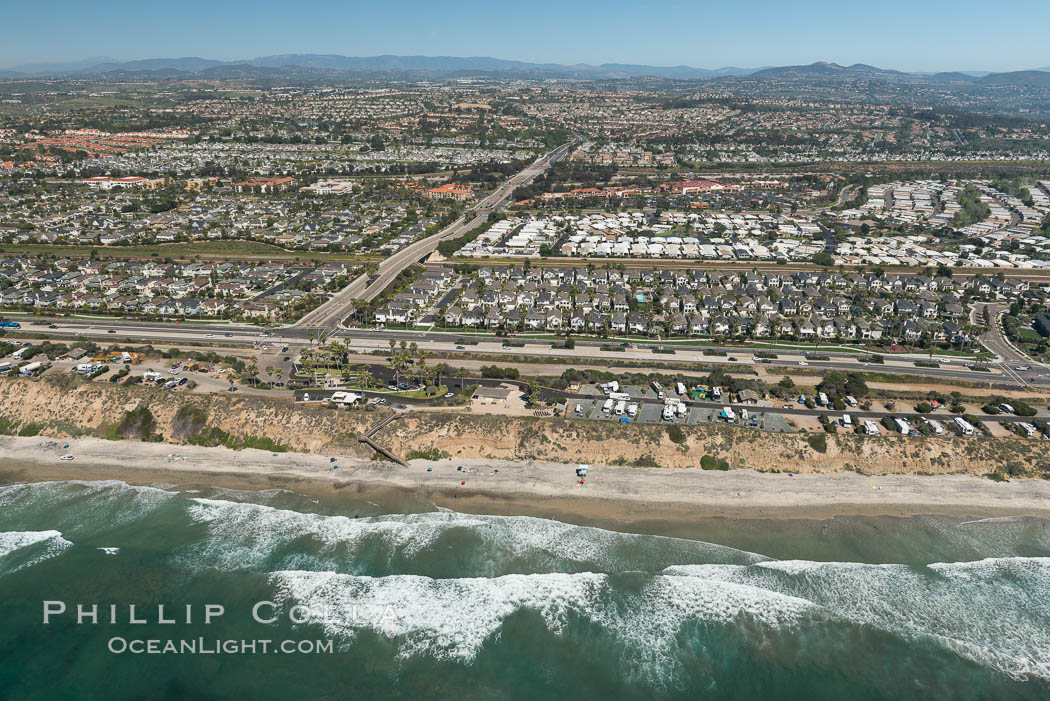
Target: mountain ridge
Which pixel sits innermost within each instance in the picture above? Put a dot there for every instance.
(418, 66)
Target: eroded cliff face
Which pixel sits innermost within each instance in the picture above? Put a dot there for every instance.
(69, 408)
(64, 407)
(603, 443)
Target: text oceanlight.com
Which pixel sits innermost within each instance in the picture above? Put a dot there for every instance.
(202, 646)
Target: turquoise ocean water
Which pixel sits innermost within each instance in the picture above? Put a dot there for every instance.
(418, 602)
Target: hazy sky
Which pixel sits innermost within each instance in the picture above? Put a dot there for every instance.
(919, 35)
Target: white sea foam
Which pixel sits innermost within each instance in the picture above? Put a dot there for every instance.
(994, 519)
(245, 535)
(994, 567)
(448, 619)
(995, 612)
(52, 494)
(49, 544)
(453, 618)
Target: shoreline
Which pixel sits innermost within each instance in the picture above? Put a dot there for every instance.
(617, 494)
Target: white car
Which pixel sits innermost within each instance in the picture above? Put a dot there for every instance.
(802, 363)
(67, 457)
(211, 335)
(173, 371)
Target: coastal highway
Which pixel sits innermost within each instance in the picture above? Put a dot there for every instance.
(334, 310)
(639, 354)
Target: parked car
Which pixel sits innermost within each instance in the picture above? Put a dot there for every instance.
(67, 457)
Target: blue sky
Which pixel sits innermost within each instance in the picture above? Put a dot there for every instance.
(920, 35)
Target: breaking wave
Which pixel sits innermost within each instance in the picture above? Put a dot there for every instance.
(252, 536)
(22, 549)
(994, 612)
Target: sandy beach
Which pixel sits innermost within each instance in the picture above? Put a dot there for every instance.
(610, 492)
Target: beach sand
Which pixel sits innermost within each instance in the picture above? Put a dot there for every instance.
(610, 493)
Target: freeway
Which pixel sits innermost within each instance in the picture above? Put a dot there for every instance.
(329, 314)
(639, 354)
(333, 311)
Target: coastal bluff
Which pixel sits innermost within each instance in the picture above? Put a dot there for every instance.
(61, 407)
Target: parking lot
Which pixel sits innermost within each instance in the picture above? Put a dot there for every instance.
(650, 411)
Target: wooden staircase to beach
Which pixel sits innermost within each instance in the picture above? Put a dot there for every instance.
(366, 438)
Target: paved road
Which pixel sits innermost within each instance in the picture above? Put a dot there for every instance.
(332, 312)
(392, 266)
(329, 314)
(994, 340)
(641, 354)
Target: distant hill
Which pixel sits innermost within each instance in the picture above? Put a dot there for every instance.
(322, 66)
(677, 72)
(821, 69)
(62, 66)
(191, 64)
(1026, 79)
(833, 71)
(952, 77)
(375, 66)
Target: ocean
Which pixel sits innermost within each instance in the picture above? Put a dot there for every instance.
(401, 599)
